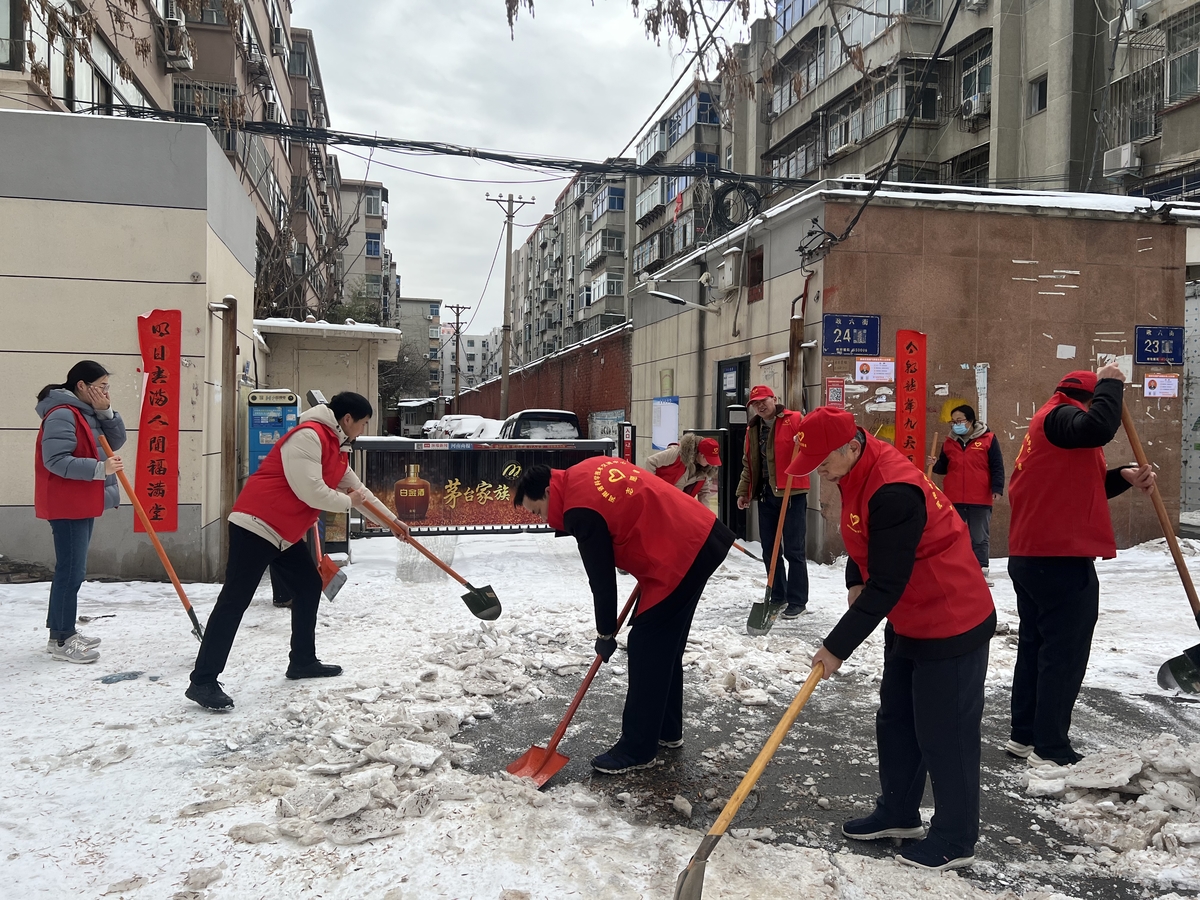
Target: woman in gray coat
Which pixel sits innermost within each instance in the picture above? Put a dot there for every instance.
(74, 482)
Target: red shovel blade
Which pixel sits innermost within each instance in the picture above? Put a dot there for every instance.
(538, 764)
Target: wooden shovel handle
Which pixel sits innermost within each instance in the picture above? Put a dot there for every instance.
(932, 453)
(141, 513)
(787, 496)
(1163, 518)
(768, 750)
(403, 535)
(587, 681)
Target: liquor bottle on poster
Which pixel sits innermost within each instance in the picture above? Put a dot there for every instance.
(412, 495)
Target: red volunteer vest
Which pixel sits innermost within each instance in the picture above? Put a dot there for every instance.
(787, 426)
(676, 470)
(657, 532)
(1059, 507)
(969, 477)
(268, 496)
(947, 594)
(55, 497)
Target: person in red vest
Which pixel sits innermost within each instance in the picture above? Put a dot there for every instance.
(306, 471)
(974, 477)
(74, 483)
(622, 516)
(1060, 523)
(910, 561)
(767, 452)
(691, 465)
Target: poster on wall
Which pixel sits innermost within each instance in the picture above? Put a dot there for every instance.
(1161, 386)
(156, 482)
(875, 368)
(835, 392)
(605, 424)
(910, 396)
(664, 424)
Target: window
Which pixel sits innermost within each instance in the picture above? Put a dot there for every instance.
(608, 198)
(970, 168)
(197, 98)
(647, 252)
(977, 71)
(470, 368)
(1037, 95)
(373, 286)
(754, 276)
(433, 354)
(433, 309)
(212, 12)
(373, 202)
(433, 333)
(1137, 101)
(653, 143)
(11, 28)
(1183, 56)
(698, 107)
(799, 156)
(802, 72)
(300, 260)
(373, 244)
(788, 13)
(470, 343)
(298, 62)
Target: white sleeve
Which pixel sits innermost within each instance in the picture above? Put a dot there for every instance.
(301, 456)
(351, 482)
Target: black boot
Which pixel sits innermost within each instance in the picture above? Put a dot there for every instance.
(314, 669)
(209, 695)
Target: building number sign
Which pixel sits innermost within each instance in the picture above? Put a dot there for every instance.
(849, 335)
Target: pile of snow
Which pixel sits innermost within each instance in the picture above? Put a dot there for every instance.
(1137, 810)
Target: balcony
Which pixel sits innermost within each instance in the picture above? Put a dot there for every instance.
(653, 144)
(600, 245)
(651, 202)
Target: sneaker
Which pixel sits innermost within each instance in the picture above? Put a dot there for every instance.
(988, 578)
(314, 669)
(794, 610)
(872, 828)
(1017, 749)
(73, 650)
(934, 855)
(90, 642)
(209, 695)
(670, 745)
(1038, 762)
(615, 763)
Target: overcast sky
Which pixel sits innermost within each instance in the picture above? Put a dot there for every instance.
(577, 80)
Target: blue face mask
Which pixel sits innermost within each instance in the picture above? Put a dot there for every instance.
(960, 428)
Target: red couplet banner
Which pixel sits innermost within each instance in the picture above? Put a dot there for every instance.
(910, 396)
(157, 481)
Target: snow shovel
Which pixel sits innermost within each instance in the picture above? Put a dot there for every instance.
(747, 552)
(764, 612)
(932, 454)
(542, 763)
(1183, 671)
(332, 576)
(482, 601)
(690, 885)
(162, 554)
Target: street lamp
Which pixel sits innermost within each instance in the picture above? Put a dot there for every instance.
(679, 301)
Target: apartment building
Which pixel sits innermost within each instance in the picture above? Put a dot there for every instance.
(472, 367)
(252, 68)
(420, 320)
(366, 262)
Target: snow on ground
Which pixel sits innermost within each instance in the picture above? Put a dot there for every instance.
(116, 785)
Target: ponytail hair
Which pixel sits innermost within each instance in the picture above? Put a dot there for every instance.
(86, 370)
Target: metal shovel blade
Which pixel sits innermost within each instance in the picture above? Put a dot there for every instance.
(538, 765)
(762, 616)
(482, 602)
(335, 585)
(1182, 672)
(690, 885)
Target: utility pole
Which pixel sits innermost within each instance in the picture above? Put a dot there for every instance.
(458, 311)
(506, 328)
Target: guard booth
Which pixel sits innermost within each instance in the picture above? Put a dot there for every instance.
(268, 416)
(731, 440)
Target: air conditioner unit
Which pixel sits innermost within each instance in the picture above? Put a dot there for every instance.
(976, 105)
(1121, 161)
(1127, 25)
(278, 44)
(177, 48)
(270, 111)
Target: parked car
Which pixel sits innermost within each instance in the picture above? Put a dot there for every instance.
(465, 428)
(541, 425)
(427, 428)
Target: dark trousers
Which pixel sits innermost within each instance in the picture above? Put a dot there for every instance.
(71, 540)
(979, 522)
(1058, 602)
(654, 701)
(249, 557)
(790, 585)
(929, 722)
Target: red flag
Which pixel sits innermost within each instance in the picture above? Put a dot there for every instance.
(678, 206)
(156, 482)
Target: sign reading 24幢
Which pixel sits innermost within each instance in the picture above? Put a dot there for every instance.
(843, 334)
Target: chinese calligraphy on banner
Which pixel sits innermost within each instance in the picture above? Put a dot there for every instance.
(910, 396)
(157, 481)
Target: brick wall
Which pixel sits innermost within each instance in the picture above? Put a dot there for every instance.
(585, 378)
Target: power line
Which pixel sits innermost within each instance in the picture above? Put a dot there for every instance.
(453, 178)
